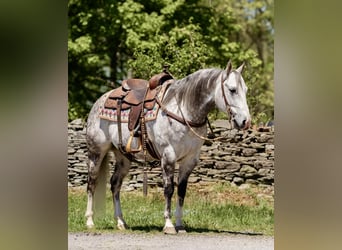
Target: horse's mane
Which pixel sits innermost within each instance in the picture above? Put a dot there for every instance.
(189, 89)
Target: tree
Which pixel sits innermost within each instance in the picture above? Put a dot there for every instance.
(112, 40)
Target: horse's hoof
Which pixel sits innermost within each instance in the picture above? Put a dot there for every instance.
(90, 225)
(169, 230)
(180, 229)
(122, 226)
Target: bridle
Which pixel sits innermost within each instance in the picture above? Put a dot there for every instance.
(229, 112)
(228, 106)
(191, 124)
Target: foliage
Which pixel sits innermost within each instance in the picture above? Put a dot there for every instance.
(112, 40)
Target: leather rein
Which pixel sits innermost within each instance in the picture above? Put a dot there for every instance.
(191, 124)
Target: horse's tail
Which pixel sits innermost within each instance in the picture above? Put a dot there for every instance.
(100, 190)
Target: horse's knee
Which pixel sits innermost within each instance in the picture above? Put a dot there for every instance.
(91, 181)
(115, 182)
(169, 189)
(91, 186)
(182, 187)
(121, 170)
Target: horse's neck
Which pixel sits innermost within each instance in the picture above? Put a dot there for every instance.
(203, 97)
(199, 111)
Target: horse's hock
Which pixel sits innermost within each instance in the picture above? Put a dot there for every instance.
(244, 157)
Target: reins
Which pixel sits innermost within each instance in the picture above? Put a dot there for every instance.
(177, 117)
(191, 124)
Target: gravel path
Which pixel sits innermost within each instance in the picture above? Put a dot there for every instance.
(157, 241)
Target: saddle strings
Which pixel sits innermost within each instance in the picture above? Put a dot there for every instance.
(144, 138)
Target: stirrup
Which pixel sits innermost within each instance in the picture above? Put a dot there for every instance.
(129, 144)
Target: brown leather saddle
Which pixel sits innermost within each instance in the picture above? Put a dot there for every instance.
(133, 94)
(137, 95)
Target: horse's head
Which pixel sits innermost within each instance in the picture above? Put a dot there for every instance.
(231, 97)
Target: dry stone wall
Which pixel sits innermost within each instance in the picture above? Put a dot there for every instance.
(242, 157)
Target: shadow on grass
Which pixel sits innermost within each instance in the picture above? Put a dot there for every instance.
(148, 229)
(206, 230)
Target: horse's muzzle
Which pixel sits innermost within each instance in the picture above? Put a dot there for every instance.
(243, 125)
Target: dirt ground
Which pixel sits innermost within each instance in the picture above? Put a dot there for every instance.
(157, 241)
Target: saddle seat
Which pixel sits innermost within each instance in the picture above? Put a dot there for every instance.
(133, 94)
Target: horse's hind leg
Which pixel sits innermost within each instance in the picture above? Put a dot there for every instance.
(122, 165)
(97, 167)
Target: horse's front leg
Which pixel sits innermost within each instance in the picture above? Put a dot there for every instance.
(122, 166)
(168, 168)
(185, 170)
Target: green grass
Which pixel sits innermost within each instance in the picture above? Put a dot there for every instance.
(210, 208)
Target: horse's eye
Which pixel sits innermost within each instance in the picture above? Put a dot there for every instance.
(232, 91)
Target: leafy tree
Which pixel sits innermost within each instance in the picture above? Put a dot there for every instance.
(113, 40)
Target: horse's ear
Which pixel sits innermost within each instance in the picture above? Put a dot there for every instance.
(229, 67)
(239, 69)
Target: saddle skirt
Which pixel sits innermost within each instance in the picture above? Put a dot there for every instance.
(131, 100)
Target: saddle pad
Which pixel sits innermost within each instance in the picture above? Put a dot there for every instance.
(150, 115)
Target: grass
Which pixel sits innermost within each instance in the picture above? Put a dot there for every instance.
(209, 208)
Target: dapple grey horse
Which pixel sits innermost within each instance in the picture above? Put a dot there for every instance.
(192, 98)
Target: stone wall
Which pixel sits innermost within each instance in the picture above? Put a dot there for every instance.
(242, 157)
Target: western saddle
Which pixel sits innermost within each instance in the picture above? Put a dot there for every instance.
(137, 95)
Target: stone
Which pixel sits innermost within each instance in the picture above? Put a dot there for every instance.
(241, 157)
(226, 158)
(76, 122)
(266, 179)
(232, 166)
(71, 161)
(228, 177)
(80, 165)
(78, 181)
(205, 158)
(263, 164)
(238, 159)
(220, 164)
(194, 179)
(71, 174)
(252, 181)
(248, 169)
(212, 172)
(140, 178)
(244, 186)
(138, 185)
(127, 188)
(238, 180)
(249, 151)
(263, 138)
(269, 148)
(257, 146)
(263, 171)
(80, 171)
(71, 150)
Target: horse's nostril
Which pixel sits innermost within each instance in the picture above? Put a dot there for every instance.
(243, 123)
(246, 124)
